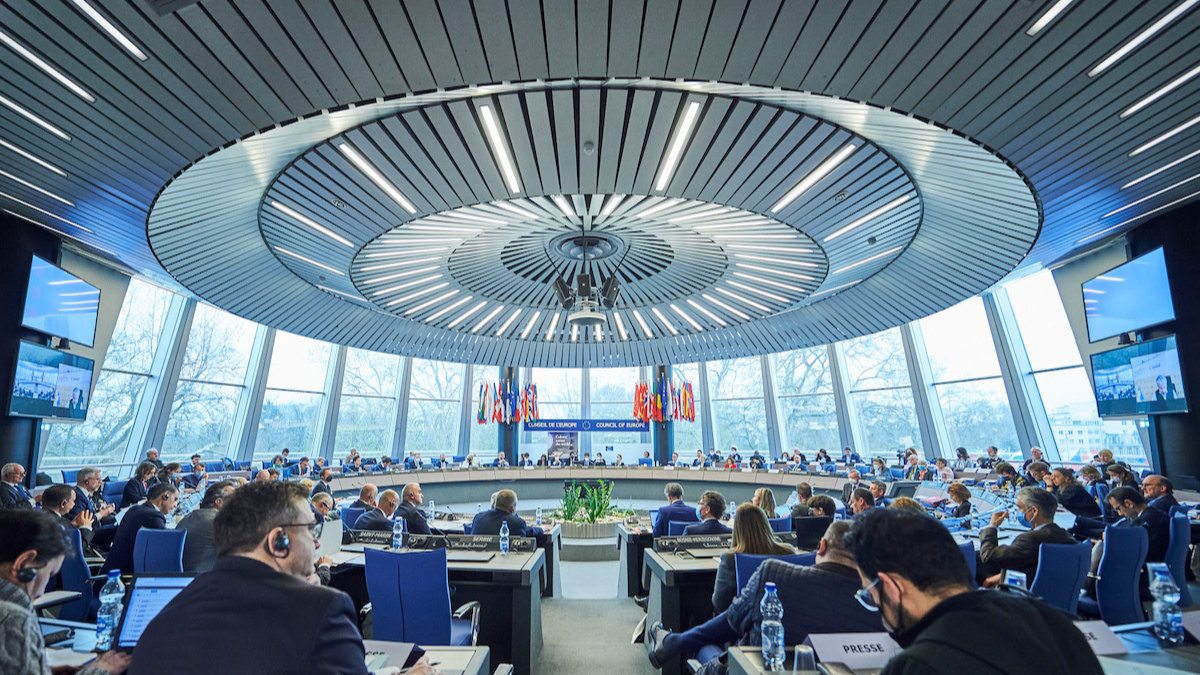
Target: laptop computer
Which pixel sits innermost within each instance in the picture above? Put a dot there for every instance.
(147, 595)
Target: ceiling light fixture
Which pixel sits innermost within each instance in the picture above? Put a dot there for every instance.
(727, 226)
(295, 215)
(758, 291)
(518, 211)
(599, 333)
(754, 236)
(1050, 15)
(574, 332)
(487, 319)
(743, 300)
(613, 202)
(686, 318)
(1170, 134)
(773, 249)
(471, 216)
(396, 254)
(1148, 213)
(1142, 37)
(414, 296)
(1094, 290)
(563, 206)
(407, 284)
(310, 261)
(46, 67)
(493, 131)
(31, 186)
(664, 320)
(620, 326)
(873, 258)
(642, 323)
(711, 210)
(62, 233)
(681, 136)
(769, 282)
(727, 308)
(553, 326)
(107, 26)
(508, 322)
(835, 288)
(700, 308)
(342, 293)
(658, 208)
(777, 261)
(466, 314)
(449, 308)
(1161, 92)
(42, 211)
(377, 178)
(813, 178)
(870, 216)
(402, 263)
(529, 326)
(1143, 199)
(430, 303)
(444, 229)
(32, 158)
(1161, 169)
(768, 270)
(20, 110)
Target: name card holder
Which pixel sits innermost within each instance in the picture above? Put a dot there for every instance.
(1101, 638)
(1191, 623)
(857, 650)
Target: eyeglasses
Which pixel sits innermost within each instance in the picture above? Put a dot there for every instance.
(314, 527)
(863, 595)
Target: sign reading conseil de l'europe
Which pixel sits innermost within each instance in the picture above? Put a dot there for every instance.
(587, 425)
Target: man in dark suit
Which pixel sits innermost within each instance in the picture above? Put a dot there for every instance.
(12, 494)
(504, 511)
(757, 461)
(676, 510)
(200, 546)
(322, 504)
(878, 490)
(712, 507)
(501, 461)
(803, 494)
(380, 517)
(853, 484)
(59, 500)
(151, 515)
(152, 457)
(1159, 493)
(366, 497)
(1038, 507)
(410, 511)
(90, 497)
(258, 594)
(322, 484)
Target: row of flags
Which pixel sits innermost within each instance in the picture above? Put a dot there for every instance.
(504, 403)
(663, 401)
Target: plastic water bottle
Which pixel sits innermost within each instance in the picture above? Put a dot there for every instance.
(111, 597)
(504, 539)
(478, 509)
(538, 517)
(398, 533)
(432, 511)
(1168, 619)
(772, 630)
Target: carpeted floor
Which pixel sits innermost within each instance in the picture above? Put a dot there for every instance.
(591, 636)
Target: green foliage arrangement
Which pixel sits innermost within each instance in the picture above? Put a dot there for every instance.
(589, 506)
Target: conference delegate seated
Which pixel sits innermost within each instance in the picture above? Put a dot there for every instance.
(152, 457)
(89, 496)
(1009, 478)
(500, 461)
(1035, 509)
(961, 496)
(59, 500)
(757, 461)
(599, 461)
(816, 599)
(526, 461)
(860, 501)
(822, 457)
(853, 482)
(322, 507)
(734, 454)
(1159, 493)
(943, 471)
(913, 574)
(730, 464)
(879, 489)
(32, 552)
(1135, 512)
(962, 460)
(137, 487)
(803, 494)
(675, 510)
(712, 507)
(880, 470)
(322, 484)
(850, 457)
(366, 497)
(380, 517)
(1039, 475)
(200, 545)
(1071, 495)
(151, 515)
(821, 505)
(699, 461)
(674, 459)
(751, 534)
(1035, 455)
(504, 510)
(409, 509)
(991, 460)
(797, 458)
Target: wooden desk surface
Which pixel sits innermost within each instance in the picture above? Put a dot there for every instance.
(55, 598)
(666, 566)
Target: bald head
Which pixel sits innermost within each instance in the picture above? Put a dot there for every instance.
(388, 501)
(854, 476)
(412, 494)
(368, 493)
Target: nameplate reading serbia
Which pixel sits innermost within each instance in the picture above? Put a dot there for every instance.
(856, 650)
(1101, 638)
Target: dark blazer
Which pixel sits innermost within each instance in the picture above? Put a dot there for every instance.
(134, 492)
(374, 520)
(120, 554)
(961, 511)
(236, 619)
(849, 488)
(82, 503)
(11, 498)
(319, 487)
(675, 511)
(488, 522)
(801, 510)
(85, 533)
(360, 504)
(709, 526)
(200, 545)
(1158, 526)
(543, 461)
(1022, 554)
(1164, 503)
(414, 520)
(757, 461)
(725, 587)
(1076, 499)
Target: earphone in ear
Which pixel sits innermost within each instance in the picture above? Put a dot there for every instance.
(282, 543)
(26, 575)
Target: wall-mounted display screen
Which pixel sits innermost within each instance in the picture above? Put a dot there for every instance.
(1130, 297)
(51, 384)
(1139, 379)
(61, 304)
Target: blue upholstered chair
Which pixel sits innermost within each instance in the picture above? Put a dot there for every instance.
(1061, 572)
(780, 524)
(467, 527)
(156, 551)
(675, 528)
(897, 474)
(113, 490)
(1117, 599)
(410, 600)
(69, 476)
(746, 564)
(1177, 550)
(645, 461)
(77, 577)
(350, 517)
(968, 551)
(214, 466)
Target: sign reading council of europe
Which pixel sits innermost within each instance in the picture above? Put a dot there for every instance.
(587, 425)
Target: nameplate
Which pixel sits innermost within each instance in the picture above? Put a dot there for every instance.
(697, 468)
(1101, 639)
(467, 542)
(530, 468)
(669, 467)
(1191, 623)
(772, 470)
(856, 650)
(371, 537)
(747, 470)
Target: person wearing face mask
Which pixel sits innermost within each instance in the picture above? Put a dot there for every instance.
(1035, 510)
(322, 486)
(914, 576)
(32, 551)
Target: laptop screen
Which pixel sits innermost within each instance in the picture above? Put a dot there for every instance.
(147, 597)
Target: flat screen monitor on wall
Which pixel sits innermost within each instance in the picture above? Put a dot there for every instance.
(1127, 298)
(51, 384)
(1140, 379)
(60, 304)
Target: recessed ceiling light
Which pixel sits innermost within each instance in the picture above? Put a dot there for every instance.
(414, 296)
(642, 323)
(377, 178)
(1142, 37)
(31, 157)
(1094, 290)
(1148, 213)
(402, 263)
(518, 211)
(1170, 134)
(60, 232)
(407, 284)
(664, 320)
(658, 208)
(873, 258)
(1050, 15)
(743, 300)
(758, 291)
(707, 313)
(1091, 301)
(563, 206)
(754, 236)
(493, 132)
(777, 261)
(529, 326)
(310, 261)
(870, 216)
(727, 226)
(681, 136)
(31, 186)
(444, 229)
(835, 288)
(74, 295)
(768, 270)
(1159, 93)
(782, 250)
(400, 275)
(46, 67)
(1147, 197)
(20, 110)
(487, 319)
(449, 308)
(430, 303)
(620, 326)
(705, 212)
(400, 241)
(42, 211)
(727, 308)
(300, 217)
(813, 178)
(342, 293)
(553, 326)
(466, 314)
(575, 332)
(108, 27)
(686, 318)
(470, 216)
(599, 333)
(769, 282)
(508, 322)
(1161, 169)
(613, 202)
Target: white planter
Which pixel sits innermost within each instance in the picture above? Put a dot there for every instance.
(571, 530)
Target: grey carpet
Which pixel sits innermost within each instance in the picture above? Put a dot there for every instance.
(591, 636)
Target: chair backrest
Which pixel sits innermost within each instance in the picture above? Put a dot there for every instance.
(968, 551)
(69, 476)
(468, 527)
(1178, 509)
(1061, 572)
(898, 474)
(746, 564)
(1177, 550)
(810, 529)
(75, 577)
(645, 461)
(158, 551)
(410, 596)
(1117, 592)
(862, 469)
(677, 522)
(653, 517)
(350, 516)
(214, 466)
(113, 491)
(780, 524)
(675, 527)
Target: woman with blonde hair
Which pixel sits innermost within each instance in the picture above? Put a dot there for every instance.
(765, 500)
(751, 534)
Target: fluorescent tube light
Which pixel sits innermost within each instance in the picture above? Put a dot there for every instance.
(681, 136)
(295, 215)
(553, 326)
(396, 254)
(613, 202)
(706, 212)
(658, 208)
(564, 206)
(31, 186)
(769, 282)
(642, 323)
(1147, 197)
(504, 326)
(466, 314)
(813, 178)
(44, 212)
(20, 110)
(1050, 15)
(743, 300)
(414, 296)
(407, 284)
(404, 263)
(1170, 134)
(727, 308)
(754, 236)
(493, 131)
(664, 320)
(444, 229)
(620, 326)
(377, 178)
(1142, 37)
(686, 318)
(1161, 169)
(487, 319)
(46, 67)
(707, 313)
(529, 326)
(598, 333)
(430, 303)
(835, 288)
(575, 333)
(768, 270)
(758, 291)
(873, 258)
(1161, 92)
(870, 216)
(518, 211)
(107, 26)
(774, 249)
(449, 308)
(310, 261)
(777, 261)
(31, 157)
